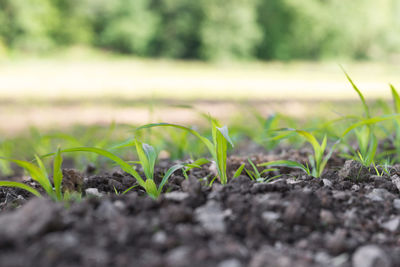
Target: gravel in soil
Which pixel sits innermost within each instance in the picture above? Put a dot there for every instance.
(346, 218)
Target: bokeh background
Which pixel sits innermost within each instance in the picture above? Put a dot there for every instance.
(67, 62)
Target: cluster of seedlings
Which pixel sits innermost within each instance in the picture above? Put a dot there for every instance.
(325, 139)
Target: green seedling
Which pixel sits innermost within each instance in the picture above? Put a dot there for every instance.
(365, 136)
(147, 159)
(217, 147)
(196, 164)
(6, 148)
(396, 102)
(91, 137)
(317, 161)
(39, 174)
(257, 176)
(385, 169)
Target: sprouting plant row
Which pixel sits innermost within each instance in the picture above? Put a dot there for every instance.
(217, 146)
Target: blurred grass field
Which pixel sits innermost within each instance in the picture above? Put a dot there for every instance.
(76, 76)
(83, 88)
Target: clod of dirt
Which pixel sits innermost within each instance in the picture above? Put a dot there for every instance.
(392, 225)
(370, 256)
(211, 217)
(354, 170)
(270, 256)
(176, 196)
(72, 180)
(379, 194)
(396, 203)
(230, 263)
(396, 181)
(36, 218)
(302, 222)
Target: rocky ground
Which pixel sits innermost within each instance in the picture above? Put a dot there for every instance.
(349, 217)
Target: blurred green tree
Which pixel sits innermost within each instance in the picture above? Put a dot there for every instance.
(126, 26)
(178, 33)
(26, 24)
(229, 29)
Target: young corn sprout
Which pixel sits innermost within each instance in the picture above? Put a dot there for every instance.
(365, 131)
(217, 147)
(317, 161)
(396, 140)
(147, 156)
(39, 174)
(366, 139)
(254, 174)
(196, 164)
(6, 148)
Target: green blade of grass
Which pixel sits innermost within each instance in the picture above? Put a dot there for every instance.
(207, 142)
(167, 175)
(129, 189)
(124, 165)
(239, 171)
(285, 163)
(36, 173)
(225, 133)
(152, 157)
(256, 172)
(127, 143)
(364, 103)
(396, 98)
(147, 157)
(21, 186)
(57, 174)
(220, 143)
(370, 121)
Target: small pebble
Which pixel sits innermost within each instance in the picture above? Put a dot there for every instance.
(94, 192)
(327, 182)
(176, 196)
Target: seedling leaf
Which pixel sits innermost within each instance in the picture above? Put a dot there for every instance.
(57, 174)
(21, 186)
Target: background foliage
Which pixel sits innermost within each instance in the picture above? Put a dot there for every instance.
(206, 29)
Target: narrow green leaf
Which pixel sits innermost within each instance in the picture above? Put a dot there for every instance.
(167, 175)
(36, 173)
(207, 142)
(129, 189)
(311, 139)
(127, 143)
(21, 186)
(196, 164)
(366, 108)
(122, 164)
(285, 163)
(256, 172)
(57, 174)
(221, 148)
(250, 174)
(370, 121)
(151, 155)
(224, 131)
(238, 172)
(143, 159)
(396, 98)
(372, 150)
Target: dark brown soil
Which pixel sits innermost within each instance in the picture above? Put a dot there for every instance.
(346, 218)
